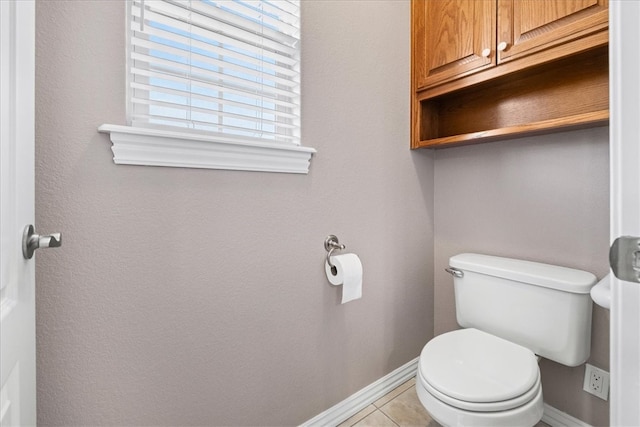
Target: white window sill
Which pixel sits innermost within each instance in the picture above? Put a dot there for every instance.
(151, 147)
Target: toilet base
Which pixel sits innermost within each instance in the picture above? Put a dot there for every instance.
(527, 415)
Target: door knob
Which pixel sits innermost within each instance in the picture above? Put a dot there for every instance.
(32, 241)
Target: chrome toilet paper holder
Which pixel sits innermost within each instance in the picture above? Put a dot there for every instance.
(331, 243)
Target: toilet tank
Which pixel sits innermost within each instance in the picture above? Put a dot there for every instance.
(543, 307)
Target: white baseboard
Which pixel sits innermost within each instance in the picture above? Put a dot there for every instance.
(557, 418)
(365, 397)
(374, 391)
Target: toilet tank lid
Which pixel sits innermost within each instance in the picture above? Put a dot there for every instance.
(535, 273)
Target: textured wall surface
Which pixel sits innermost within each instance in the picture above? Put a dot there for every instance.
(198, 297)
(543, 199)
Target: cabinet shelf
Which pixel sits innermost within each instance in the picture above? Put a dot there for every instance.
(597, 118)
(569, 93)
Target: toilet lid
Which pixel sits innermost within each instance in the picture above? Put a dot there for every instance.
(474, 366)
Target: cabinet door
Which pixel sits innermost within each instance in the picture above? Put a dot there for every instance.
(452, 38)
(529, 26)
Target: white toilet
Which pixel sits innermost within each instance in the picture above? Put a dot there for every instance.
(512, 311)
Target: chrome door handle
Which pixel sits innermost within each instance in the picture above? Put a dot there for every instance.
(624, 258)
(32, 241)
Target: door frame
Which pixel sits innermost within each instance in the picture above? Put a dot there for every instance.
(17, 127)
(624, 60)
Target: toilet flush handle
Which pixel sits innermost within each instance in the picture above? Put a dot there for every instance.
(454, 272)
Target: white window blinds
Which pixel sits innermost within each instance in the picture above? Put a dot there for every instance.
(229, 68)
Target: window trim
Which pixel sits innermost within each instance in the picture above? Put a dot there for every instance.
(153, 147)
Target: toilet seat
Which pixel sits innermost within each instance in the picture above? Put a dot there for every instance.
(476, 371)
(483, 407)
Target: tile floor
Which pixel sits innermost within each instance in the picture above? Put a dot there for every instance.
(399, 408)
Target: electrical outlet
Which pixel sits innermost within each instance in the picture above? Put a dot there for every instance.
(596, 382)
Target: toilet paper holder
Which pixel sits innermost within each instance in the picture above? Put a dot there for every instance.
(331, 243)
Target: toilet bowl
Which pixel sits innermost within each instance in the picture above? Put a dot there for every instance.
(512, 312)
(469, 377)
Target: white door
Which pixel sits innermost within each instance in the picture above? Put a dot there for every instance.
(17, 286)
(625, 206)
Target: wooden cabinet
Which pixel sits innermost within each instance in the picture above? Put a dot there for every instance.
(529, 26)
(486, 69)
(454, 39)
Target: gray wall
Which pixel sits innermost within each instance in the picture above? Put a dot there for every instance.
(197, 297)
(543, 199)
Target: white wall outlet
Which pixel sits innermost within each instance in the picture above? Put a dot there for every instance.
(596, 382)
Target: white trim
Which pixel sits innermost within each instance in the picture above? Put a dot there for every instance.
(557, 418)
(624, 66)
(152, 147)
(363, 398)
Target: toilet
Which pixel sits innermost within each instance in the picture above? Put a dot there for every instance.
(512, 313)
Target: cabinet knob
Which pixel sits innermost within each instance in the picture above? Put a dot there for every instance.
(502, 46)
(486, 52)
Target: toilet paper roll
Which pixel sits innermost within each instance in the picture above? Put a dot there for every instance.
(348, 273)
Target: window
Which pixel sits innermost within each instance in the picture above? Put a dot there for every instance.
(220, 72)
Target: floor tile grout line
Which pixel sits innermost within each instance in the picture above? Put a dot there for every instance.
(392, 400)
(389, 402)
(362, 418)
(389, 418)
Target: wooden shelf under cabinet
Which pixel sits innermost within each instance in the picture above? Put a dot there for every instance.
(569, 93)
